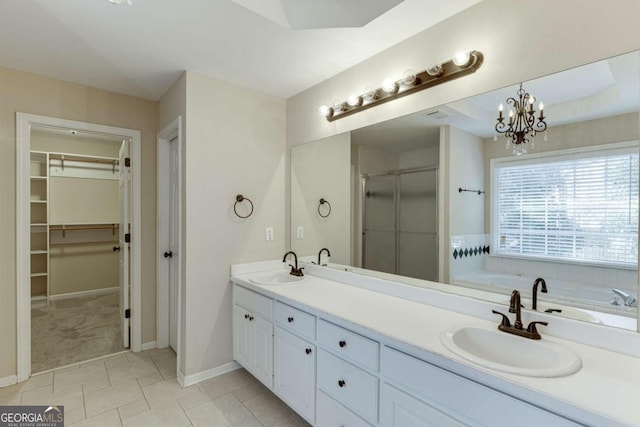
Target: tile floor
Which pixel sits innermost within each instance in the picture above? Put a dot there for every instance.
(140, 389)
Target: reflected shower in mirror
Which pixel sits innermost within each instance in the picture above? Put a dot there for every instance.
(566, 211)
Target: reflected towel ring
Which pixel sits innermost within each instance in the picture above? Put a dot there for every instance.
(322, 202)
(241, 198)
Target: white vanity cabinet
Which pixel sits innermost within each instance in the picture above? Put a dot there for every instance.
(253, 334)
(335, 373)
(295, 359)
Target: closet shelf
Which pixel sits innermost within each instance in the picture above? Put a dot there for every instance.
(83, 227)
(38, 201)
(39, 274)
(39, 177)
(39, 252)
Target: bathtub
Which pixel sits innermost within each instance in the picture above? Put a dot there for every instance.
(588, 297)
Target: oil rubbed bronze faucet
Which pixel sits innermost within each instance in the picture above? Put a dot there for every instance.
(295, 271)
(515, 307)
(538, 281)
(320, 253)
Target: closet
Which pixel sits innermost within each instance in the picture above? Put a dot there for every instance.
(74, 224)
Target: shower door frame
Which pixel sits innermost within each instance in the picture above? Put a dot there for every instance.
(396, 173)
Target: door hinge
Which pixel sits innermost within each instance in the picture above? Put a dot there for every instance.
(127, 313)
(127, 162)
(127, 238)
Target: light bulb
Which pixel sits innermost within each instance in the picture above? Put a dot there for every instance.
(540, 106)
(409, 77)
(500, 108)
(325, 111)
(354, 100)
(435, 70)
(461, 59)
(389, 86)
(339, 105)
(532, 100)
(369, 93)
(511, 113)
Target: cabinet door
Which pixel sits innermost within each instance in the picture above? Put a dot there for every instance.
(401, 410)
(241, 336)
(295, 372)
(262, 345)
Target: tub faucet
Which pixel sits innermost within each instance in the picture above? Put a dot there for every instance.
(516, 329)
(320, 253)
(295, 271)
(540, 281)
(628, 300)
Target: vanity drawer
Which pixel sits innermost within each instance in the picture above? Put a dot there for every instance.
(349, 345)
(349, 385)
(333, 414)
(295, 320)
(450, 393)
(253, 301)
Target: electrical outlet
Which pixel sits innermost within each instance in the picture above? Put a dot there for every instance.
(300, 232)
(269, 234)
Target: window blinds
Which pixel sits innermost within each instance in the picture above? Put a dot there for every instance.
(581, 208)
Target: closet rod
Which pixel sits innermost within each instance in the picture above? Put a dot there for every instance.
(76, 158)
(83, 227)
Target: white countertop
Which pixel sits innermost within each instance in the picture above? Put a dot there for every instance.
(608, 382)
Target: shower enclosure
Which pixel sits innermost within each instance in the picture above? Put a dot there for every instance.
(400, 223)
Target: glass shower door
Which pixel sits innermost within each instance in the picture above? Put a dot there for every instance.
(418, 224)
(379, 231)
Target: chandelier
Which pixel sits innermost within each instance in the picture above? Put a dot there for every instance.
(522, 127)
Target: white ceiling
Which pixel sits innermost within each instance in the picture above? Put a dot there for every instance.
(142, 49)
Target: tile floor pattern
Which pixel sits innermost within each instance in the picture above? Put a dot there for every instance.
(140, 389)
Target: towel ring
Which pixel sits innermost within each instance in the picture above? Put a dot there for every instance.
(322, 202)
(240, 198)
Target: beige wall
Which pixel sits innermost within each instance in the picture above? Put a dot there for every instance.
(29, 93)
(553, 39)
(322, 169)
(235, 144)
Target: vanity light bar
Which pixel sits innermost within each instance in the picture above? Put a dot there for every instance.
(460, 65)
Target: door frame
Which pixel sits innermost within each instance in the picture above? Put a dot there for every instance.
(165, 136)
(24, 124)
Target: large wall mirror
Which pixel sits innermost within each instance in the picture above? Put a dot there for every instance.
(565, 211)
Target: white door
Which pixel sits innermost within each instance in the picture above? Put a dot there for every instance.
(124, 184)
(172, 253)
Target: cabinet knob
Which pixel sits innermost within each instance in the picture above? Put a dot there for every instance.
(168, 254)
(246, 316)
(290, 319)
(308, 351)
(341, 383)
(250, 318)
(342, 344)
(116, 249)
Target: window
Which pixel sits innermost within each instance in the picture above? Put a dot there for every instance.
(578, 207)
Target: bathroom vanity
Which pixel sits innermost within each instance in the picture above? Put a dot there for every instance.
(347, 350)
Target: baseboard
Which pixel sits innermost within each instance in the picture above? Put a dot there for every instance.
(103, 291)
(187, 380)
(7, 381)
(148, 345)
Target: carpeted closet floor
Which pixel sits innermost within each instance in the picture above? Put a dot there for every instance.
(73, 330)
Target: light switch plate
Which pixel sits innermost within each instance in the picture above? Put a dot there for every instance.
(300, 232)
(269, 234)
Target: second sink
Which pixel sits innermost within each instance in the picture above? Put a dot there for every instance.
(275, 278)
(503, 352)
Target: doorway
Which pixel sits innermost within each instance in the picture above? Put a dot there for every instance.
(76, 226)
(169, 237)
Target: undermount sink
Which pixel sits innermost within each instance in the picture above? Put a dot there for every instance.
(276, 278)
(509, 353)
